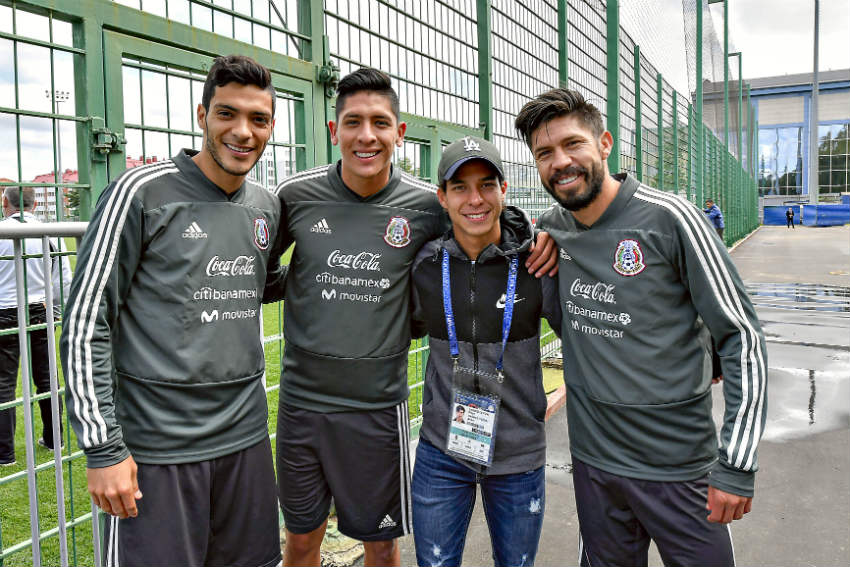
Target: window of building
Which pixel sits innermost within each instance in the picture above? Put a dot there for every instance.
(781, 160)
(833, 159)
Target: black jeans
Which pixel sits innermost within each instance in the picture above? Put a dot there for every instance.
(9, 358)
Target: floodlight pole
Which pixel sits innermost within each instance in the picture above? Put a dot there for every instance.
(814, 190)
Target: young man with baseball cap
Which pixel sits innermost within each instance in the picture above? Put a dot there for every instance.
(482, 314)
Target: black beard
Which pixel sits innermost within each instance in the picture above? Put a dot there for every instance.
(577, 201)
(217, 158)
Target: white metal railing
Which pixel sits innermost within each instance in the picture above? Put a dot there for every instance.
(17, 233)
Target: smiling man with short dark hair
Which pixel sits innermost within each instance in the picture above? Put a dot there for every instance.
(161, 344)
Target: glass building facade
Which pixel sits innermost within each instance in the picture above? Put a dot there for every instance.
(783, 111)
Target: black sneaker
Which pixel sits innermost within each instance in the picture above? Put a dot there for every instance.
(11, 463)
(43, 444)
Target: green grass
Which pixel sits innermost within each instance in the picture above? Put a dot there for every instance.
(14, 499)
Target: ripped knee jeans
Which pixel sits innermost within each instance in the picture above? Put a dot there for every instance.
(444, 493)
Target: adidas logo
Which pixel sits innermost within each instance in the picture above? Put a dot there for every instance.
(194, 231)
(321, 227)
(387, 522)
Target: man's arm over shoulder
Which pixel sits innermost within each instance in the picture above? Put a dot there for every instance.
(719, 296)
(106, 262)
(418, 317)
(552, 303)
(276, 272)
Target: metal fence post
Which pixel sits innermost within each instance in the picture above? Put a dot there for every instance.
(612, 56)
(638, 118)
(23, 323)
(660, 130)
(47, 263)
(312, 18)
(700, 130)
(89, 79)
(690, 175)
(675, 143)
(563, 45)
(485, 69)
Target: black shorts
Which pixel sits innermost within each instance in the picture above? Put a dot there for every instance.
(216, 512)
(619, 515)
(359, 458)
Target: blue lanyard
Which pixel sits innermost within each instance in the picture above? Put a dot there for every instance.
(450, 318)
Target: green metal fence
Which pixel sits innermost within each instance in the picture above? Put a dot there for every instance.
(89, 88)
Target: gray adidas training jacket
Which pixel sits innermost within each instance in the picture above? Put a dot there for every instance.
(641, 291)
(161, 341)
(347, 310)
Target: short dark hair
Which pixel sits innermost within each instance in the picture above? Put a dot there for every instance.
(15, 195)
(553, 104)
(236, 69)
(366, 79)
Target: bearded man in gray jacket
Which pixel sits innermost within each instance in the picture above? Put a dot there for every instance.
(646, 283)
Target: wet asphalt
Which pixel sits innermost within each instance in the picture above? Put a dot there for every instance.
(799, 281)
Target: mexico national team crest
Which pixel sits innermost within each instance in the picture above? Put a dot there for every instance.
(628, 259)
(397, 234)
(261, 233)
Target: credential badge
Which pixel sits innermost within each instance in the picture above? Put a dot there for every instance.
(261, 233)
(628, 259)
(397, 234)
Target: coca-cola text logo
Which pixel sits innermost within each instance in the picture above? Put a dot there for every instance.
(369, 261)
(239, 266)
(601, 292)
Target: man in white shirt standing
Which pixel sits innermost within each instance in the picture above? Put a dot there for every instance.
(18, 204)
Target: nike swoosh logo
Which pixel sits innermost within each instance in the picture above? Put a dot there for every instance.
(501, 303)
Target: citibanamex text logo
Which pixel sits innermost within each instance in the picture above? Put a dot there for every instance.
(601, 292)
(368, 261)
(239, 266)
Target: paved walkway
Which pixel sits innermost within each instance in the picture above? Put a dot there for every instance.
(801, 510)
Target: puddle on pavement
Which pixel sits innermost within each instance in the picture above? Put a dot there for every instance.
(801, 297)
(804, 402)
(807, 328)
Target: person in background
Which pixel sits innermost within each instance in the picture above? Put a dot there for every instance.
(714, 214)
(789, 218)
(18, 205)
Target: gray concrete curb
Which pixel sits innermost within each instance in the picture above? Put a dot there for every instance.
(732, 248)
(556, 400)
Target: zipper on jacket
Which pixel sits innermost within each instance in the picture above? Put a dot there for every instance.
(472, 311)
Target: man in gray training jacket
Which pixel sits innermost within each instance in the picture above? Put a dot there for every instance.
(161, 344)
(645, 283)
(342, 419)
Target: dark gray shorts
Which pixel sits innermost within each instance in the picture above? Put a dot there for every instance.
(619, 515)
(217, 512)
(360, 459)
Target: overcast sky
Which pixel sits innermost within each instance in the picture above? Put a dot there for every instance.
(775, 36)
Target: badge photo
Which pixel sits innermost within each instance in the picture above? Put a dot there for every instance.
(261, 233)
(628, 258)
(397, 234)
